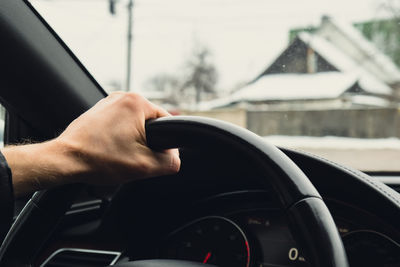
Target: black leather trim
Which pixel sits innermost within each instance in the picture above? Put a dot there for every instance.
(346, 184)
(379, 186)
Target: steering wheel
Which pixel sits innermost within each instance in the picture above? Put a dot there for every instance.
(309, 219)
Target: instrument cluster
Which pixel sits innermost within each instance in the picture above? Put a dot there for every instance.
(262, 239)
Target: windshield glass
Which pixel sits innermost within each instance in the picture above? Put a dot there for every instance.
(319, 76)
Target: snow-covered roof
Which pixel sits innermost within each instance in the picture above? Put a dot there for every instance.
(284, 87)
(371, 101)
(371, 84)
(368, 68)
(296, 86)
(344, 63)
(328, 51)
(289, 86)
(371, 59)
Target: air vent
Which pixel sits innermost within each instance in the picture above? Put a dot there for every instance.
(85, 206)
(81, 258)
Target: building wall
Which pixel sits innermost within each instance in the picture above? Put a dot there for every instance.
(361, 123)
(317, 104)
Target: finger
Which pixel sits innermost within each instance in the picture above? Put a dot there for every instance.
(167, 162)
(154, 111)
(160, 111)
(150, 110)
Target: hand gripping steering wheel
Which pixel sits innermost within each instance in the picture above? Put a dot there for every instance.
(309, 219)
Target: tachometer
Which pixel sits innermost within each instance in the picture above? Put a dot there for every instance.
(370, 248)
(214, 240)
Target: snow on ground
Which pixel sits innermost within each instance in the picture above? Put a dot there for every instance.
(333, 142)
(373, 155)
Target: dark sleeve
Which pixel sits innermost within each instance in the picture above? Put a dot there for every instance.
(6, 197)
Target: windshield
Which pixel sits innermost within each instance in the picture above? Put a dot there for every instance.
(319, 76)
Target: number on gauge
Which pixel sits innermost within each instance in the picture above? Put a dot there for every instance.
(214, 240)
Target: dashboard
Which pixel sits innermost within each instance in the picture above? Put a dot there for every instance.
(238, 229)
(216, 190)
(262, 238)
(222, 217)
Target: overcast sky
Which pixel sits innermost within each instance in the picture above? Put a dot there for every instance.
(244, 35)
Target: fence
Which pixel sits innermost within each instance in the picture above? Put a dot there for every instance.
(361, 123)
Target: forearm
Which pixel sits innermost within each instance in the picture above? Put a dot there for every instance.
(40, 166)
(105, 145)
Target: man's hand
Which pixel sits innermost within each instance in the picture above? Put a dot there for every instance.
(105, 145)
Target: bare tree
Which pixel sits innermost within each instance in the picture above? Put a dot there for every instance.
(199, 76)
(201, 73)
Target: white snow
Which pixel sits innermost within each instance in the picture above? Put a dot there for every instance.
(369, 101)
(373, 85)
(286, 87)
(296, 86)
(361, 154)
(329, 52)
(333, 142)
(382, 64)
(344, 63)
(283, 87)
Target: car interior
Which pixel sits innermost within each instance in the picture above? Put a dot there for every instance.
(237, 201)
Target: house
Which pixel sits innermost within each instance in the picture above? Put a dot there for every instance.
(333, 66)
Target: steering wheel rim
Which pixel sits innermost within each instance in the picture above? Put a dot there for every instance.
(309, 219)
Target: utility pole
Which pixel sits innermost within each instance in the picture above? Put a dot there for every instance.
(129, 51)
(112, 10)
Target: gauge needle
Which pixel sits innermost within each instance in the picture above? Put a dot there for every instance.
(207, 257)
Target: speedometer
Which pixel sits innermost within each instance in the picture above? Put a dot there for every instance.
(214, 240)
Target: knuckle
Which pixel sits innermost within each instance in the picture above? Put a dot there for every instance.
(133, 101)
(115, 95)
(134, 97)
(126, 101)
